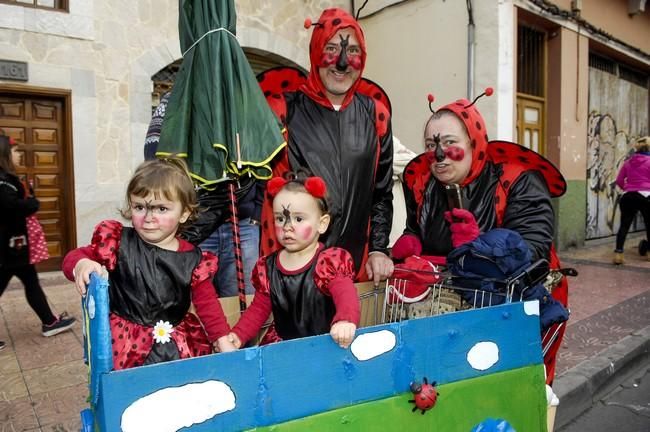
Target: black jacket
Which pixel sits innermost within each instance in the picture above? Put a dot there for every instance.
(528, 211)
(14, 208)
(215, 207)
(341, 147)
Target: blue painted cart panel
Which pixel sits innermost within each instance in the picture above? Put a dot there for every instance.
(294, 379)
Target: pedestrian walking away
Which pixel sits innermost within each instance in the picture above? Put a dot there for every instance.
(18, 203)
(634, 179)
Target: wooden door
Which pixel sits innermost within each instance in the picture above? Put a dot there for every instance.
(530, 122)
(38, 126)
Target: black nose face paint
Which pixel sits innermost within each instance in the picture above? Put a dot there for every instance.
(148, 207)
(342, 62)
(440, 153)
(287, 217)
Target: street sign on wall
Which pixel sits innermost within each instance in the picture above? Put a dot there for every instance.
(13, 70)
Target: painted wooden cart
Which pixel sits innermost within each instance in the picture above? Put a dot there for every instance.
(487, 364)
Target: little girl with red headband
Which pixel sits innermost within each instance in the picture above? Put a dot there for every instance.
(309, 288)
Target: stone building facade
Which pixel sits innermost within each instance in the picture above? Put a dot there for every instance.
(76, 83)
(94, 60)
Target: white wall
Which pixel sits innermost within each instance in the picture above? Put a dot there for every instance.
(420, 47)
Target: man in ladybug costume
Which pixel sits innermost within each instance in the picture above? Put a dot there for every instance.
(338, 128)
(501, 185)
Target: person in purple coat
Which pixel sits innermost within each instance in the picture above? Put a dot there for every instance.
(634, 179)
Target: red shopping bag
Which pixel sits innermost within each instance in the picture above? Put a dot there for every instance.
(412, 280)
(36, 239)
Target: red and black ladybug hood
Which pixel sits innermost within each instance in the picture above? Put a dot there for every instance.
(497, 166)
(475, 126)
(330, 21)
(514, 157)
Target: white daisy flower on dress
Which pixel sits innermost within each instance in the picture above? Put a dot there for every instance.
(162, 332)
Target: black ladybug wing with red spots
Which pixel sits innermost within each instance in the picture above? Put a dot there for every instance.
(508, 153)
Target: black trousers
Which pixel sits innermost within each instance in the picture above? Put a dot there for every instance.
(630, 204)
(33, 290)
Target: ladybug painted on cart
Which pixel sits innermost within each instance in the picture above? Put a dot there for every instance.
(425, 394)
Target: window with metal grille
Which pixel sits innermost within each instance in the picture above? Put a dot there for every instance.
(602, 64)
(530, 61)
(633, 76)
(163, 81)
(60, 5)
(622, 71)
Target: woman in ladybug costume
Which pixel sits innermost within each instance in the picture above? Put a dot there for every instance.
(501, 184)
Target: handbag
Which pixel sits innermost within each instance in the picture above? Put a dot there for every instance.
(36, 239)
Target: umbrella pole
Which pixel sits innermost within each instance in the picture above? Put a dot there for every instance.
(239, 262)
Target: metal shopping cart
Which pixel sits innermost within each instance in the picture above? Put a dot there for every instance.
(423, 293)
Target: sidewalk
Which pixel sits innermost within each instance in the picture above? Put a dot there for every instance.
(43, 380)
(609, 330)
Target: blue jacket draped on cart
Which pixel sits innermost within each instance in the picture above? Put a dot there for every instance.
(493, 257)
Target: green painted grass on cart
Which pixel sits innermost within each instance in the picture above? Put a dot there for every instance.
(517, 396)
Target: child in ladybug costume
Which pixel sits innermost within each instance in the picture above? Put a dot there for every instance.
(501, 184)
(308, 287)
(154, 275)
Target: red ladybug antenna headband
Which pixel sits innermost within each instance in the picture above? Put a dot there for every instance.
(430, 98)
(488, 92)
(360, 9)
(308, 23)
(315, 186)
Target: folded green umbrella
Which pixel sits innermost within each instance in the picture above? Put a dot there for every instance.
(217, 117)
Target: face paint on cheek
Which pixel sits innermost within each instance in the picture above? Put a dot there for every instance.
(304, 233)
(138, 221)
(327, 60)
(166, 222)
(354, 61)
(279, 231)
(455, 153)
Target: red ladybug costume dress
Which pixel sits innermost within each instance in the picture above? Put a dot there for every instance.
(304, 302)
(508, 186)
(350, 148)
(148, 284)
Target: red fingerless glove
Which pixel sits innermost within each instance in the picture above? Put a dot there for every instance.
(405, 246)
(464, 228)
